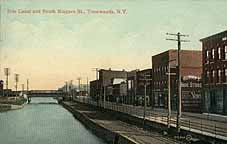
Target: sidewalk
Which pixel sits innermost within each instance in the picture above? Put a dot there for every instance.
(108, 121)
(205, 116)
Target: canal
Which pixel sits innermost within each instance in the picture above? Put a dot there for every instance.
(43, 122)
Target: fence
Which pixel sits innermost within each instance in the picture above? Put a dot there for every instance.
(199, 126)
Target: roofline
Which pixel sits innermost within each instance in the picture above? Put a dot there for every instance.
(209, 37)
(182, 50)
(113, 70)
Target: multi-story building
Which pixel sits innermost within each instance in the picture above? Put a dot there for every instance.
(100, 88)
(214, 60)
(131, 87)
(115, 92)
(136, 86)
(191, 65)
(95, 89)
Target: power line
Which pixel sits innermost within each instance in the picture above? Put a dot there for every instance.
(179, 40)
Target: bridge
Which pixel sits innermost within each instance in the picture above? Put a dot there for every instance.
(44, 93)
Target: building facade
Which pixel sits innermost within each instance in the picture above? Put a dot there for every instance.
(95, 89)
(191, 65)
(103, 87)
(136, 81)
(214, 60)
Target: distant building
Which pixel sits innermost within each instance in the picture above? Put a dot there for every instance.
(191, 66)
(136, 86)
(131, 87)
(119, 92)
(99, 88)
(1, 87)
(95, 89)
(214, 60)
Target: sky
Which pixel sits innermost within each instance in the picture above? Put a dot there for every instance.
(49, 49)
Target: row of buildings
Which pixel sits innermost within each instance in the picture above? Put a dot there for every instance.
(204, 80)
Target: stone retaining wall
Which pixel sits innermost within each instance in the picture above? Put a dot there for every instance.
(100, 131)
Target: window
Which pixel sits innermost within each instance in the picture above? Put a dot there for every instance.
(219, 53)
(213, 76)
(207, 76)
(226, 52)
(226, 75)
(207, 54)
(219, 76)
(213, 53)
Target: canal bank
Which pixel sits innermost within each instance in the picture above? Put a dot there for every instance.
(11, 103)
(111, 129)
(8, 107)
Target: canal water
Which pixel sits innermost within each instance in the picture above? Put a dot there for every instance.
(43, 122)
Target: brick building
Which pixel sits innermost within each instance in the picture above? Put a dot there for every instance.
(136, 86)
(101, 87)
(116, 91)
(191, 66)
(131, 87)
(95, 89)
(214, 60)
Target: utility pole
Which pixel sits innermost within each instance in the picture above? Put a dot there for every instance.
(7, 73)
(66, 88)
(16, 80)
(169, 91)
(145, 96)
(179, 40)
(79, 79)
(27, 86)
(22, 89)
(87, 86)
(29, 99)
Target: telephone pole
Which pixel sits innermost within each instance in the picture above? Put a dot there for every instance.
(169, 91)
(22, 89)
(27, 86)
(87, 85)
(7, 73)
(16, 80)
(79, 79)
(146, 78)
(179, 40)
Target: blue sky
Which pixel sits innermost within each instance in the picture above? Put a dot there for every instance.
(52, 48)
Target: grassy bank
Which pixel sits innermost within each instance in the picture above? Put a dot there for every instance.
(6, 103)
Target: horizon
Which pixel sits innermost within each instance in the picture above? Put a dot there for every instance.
(49, 49)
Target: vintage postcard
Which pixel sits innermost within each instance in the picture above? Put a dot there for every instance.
(113, 72)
